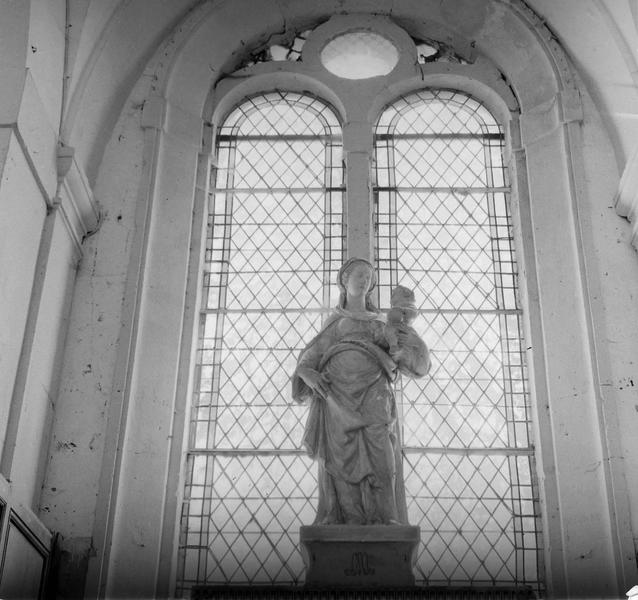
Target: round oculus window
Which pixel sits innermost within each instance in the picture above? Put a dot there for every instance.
(359, 55)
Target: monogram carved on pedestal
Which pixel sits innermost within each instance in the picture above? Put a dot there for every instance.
(360, 564)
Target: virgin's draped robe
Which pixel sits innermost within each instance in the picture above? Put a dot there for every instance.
(353, 433)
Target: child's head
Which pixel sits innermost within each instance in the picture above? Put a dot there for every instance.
(403, 306)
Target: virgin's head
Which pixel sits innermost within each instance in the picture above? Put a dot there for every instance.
(357, 278)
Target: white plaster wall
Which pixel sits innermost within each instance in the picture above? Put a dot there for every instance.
(80, 420)
(39, 242)
(41, 387)
(14, 27)
(612, 270)
(600, 38)
(45, 54)
(89, 21)
(107, 67)
(22, 214)
(138, 521)
(576, 439)
(34, 42)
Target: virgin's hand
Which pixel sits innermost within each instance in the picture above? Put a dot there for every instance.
(315, 381)
(403, 334)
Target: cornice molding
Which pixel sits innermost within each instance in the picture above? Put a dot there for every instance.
(75, 196)
(626, 200)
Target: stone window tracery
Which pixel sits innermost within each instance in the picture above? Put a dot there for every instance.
(288, 48)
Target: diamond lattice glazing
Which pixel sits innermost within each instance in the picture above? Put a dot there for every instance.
(274, 244)
(243, 515)
(444, 229)
(477, 522)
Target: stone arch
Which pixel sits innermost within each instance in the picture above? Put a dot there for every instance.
(507, 32)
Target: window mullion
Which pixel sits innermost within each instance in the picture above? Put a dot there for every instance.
(357, 150)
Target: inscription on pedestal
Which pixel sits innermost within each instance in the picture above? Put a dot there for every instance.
(360, 565)
(359, 556)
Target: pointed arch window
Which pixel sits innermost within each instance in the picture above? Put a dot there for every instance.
(274, 244)
(443, 227)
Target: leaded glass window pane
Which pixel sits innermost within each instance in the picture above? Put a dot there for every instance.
(443, 228)
(274, 245)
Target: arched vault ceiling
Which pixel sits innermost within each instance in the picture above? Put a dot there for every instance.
(112, 42)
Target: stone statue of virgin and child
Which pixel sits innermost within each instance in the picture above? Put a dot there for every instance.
(347, 373)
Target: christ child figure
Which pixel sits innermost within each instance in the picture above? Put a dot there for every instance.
(405, 345)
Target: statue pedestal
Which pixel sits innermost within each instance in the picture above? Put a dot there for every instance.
(359, 556)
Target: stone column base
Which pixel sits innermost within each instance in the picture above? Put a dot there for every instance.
(359, 556)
